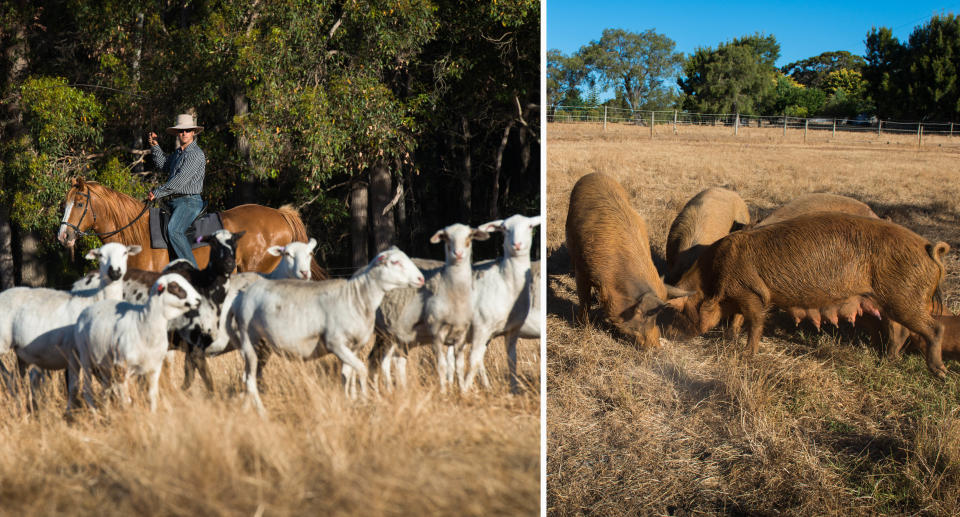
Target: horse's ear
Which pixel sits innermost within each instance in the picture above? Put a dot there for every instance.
(78, 182)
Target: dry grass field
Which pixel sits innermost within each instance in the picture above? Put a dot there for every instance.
(316, 453)
(817, 423)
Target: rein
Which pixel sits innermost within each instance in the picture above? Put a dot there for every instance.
(90, 206)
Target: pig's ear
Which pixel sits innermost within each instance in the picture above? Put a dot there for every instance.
(676, 303)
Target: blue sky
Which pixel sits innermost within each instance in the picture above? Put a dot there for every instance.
(803, 29)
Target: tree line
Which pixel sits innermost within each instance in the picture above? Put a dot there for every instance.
(378, 119)
(918, 79)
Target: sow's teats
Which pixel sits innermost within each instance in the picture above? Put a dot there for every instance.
(706, 218)
(817, 260)
(610, 251)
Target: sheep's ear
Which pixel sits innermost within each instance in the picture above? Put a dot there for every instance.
(492, 226)
(160, 288)
(93, 254)
(441, 234)
(133, 249)
(534, 221)
(312, 245)
(276, 251)
(479, 235)
(239, 234)
(382, 259)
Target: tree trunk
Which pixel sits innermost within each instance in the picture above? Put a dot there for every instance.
(33, 272)
(384, 231)
(358, 224)
(403, 230)
(7, 273)
(10, 128)
(466, 174)
(135, 68)
(247, 189)
(498, 166)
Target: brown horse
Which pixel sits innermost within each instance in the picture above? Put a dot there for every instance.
(116, 217)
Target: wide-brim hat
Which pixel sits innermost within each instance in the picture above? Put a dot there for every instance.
(184, 121)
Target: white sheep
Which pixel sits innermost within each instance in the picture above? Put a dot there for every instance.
(295, 261)
(309, 319)
(502, 296)
(111, 334)
(36, 322)
(439, 313)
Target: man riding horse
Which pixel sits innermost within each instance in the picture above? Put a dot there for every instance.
(185, 167)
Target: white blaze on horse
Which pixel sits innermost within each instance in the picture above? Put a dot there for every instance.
(94, 209)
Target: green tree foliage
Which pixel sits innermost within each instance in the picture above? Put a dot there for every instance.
(813, 71)
(918, 79)
(636, 66)
(299, 99)
(564, 77)
(796, 100)
(737, 77)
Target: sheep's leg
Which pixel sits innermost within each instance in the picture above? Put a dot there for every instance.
(189, 369)
(349, 378)
(401, 362)
(478, 338)
(25, 380)
(343, 352)
(73, 382)
(263, 355)
(451, 365)
(461, 363)
(441, 359)
(154, 388)
(386, 362)
(199, 361)
(250, 374)
(511, 341)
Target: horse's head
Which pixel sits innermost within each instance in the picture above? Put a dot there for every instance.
(77, 213)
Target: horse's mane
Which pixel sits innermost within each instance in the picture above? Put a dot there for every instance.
(121, 209)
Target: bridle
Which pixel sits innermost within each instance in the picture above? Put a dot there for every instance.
(89, 195)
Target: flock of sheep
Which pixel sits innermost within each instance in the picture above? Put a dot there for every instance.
(822, 257)
(120, 323)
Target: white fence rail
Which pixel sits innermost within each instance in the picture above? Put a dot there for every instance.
(651, 119)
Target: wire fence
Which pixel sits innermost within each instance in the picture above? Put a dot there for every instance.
(656, 121)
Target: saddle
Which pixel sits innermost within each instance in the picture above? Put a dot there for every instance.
(204, 224)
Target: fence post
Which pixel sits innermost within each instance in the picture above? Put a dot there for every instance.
(604, 118)
(652, 115)
(736, 125)
(834, 129)
(675, 122)
(919, 134)
(784, 124)
(806, 124)
(951, 130)
(879, 125)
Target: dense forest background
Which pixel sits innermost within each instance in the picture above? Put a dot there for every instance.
(913, 80)
(428, 109)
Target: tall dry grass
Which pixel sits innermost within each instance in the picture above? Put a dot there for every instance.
(817, 423)
(316, 453)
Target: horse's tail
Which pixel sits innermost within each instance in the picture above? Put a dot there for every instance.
(292, 217)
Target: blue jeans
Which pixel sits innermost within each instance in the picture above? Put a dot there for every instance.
(185, 210)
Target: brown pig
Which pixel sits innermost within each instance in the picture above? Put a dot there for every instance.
(708, 216)
(818, 202)
(610, 251)
(817, 260)
(951, 338)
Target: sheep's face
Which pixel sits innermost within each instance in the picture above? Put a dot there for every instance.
(517, 233)
(113, 260)
(457, 239)
(394, 269)
(176, 294)
(295, 258)
(223, 249)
